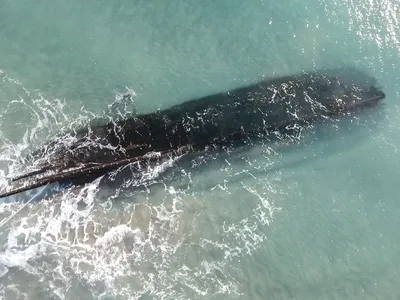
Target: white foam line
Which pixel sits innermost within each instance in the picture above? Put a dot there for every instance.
(14, 214)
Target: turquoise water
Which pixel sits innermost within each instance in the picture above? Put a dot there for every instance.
(316, 221)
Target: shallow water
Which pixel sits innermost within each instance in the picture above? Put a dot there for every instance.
(312, 221)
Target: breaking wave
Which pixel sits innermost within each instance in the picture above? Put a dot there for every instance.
(149, 235)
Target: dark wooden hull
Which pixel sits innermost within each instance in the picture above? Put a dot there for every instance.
(270, 108)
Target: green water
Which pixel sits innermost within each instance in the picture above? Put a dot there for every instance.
(312, 222)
